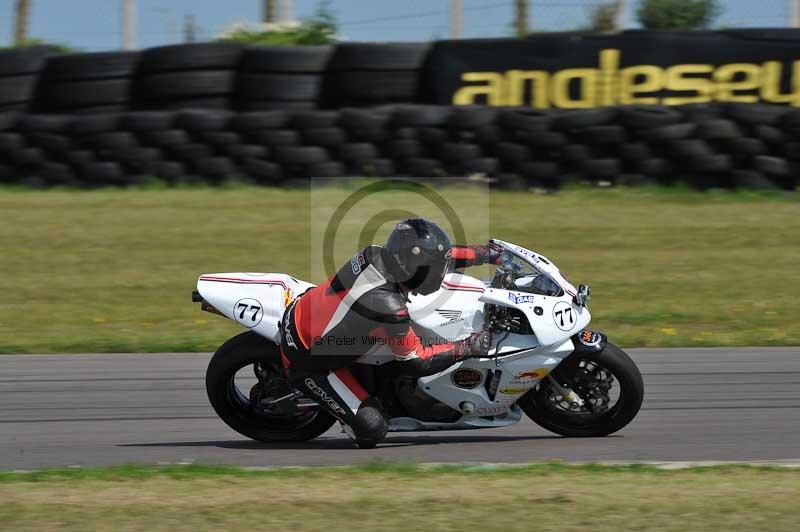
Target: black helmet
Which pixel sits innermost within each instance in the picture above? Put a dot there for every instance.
(418, 255)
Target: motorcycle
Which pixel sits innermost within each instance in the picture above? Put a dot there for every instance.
(543, 363)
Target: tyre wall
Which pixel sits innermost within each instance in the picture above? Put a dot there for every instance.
(715, 145)
(211, 111)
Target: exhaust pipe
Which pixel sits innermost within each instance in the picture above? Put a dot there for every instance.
(204, 305)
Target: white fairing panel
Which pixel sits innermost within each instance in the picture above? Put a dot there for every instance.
(453, 312)
(514, 374)
(553, 319)
(255, 300)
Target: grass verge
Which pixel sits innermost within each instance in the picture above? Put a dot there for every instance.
(111, 270)
(402, 497)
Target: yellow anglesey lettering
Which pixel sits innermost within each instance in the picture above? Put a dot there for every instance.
(636, 81)
(738, 77)
(609, 84)
(586, 82)
(688, 78)
(518, 80)
(771, 81)
(492, 88)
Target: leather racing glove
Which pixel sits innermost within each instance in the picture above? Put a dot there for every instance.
(489, 254)
(476, 346)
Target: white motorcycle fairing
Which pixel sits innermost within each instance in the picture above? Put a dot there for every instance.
(484, 390)
(254, 300)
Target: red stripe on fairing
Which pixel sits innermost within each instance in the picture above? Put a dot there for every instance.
(243, 281)
(465, 287)
(344, 375)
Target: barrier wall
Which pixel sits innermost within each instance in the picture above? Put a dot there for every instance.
(210, 111)
(216, 75)
(579, 71)
(562, 71)
(717, 145)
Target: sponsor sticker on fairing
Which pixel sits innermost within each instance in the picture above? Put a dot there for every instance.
(589, 338)
(519, 299)
(492, 410)
(538, 373)
(513, 391)
(452, 316)
(467, 378)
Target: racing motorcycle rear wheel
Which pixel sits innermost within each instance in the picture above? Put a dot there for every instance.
(244, 404)
(608, 393)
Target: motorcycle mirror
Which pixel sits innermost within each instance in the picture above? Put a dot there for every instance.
(584, 295)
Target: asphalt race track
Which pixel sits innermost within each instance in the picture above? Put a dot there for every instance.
(701, 404)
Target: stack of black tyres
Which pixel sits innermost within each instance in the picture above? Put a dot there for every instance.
(157, 132)
(186, 76)
(364, 151)
(528, 145)
(704, 146)
(108, 145)
(707, 145)
(282, 77)
(302, 158)
(602, 136)
(31, 144)
(205, 156)
(469, 149)
(419, 133)
(261, 132)
(87, 83)
(369, 74)
(19, 76)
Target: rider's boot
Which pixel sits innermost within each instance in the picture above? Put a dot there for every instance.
(369, 425)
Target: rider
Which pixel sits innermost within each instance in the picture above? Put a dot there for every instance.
(331, 325)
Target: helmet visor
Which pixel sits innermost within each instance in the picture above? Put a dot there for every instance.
(428, 277)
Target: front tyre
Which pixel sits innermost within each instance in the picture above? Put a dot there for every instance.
(243, 402)
(609, 386)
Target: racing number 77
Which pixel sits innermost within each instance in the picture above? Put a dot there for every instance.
(564, 313)
(244, 307)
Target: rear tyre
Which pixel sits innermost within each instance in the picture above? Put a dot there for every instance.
(241, 410)
(580, 372)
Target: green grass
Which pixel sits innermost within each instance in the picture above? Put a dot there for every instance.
(112, 270)
(378, 497)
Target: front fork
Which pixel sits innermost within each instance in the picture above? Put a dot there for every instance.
(586, 341)
(566, 393)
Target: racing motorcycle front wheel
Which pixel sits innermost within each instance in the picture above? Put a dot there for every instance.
(247, 387)
(588, 394)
